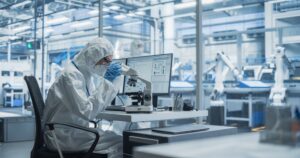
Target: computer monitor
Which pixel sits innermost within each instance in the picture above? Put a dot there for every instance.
(121, 89)
(154, 68)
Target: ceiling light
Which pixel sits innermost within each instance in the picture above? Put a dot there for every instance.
(140, 13)
(13, 37)
(22, 28)
(57, 37)
(93, 12)
(208, 1)
(121, 16)
(228, 8)
(107, 27)
(114, 7)
(78, 33)
(57, 20)
(20, 4)
(131, 14)
(81, 24)
(185, 5)
(106, 9)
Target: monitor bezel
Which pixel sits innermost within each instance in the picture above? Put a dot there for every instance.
(170, 74)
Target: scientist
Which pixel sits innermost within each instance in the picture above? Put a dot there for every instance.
(85, 87)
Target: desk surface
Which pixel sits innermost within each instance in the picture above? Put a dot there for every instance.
(237, 146)
(154, 116)
(8, 114)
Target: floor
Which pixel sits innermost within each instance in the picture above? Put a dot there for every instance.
(16, 150)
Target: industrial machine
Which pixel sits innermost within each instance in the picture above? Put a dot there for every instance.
(223, 65)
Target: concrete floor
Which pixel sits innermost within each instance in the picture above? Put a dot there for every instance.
(16, 149)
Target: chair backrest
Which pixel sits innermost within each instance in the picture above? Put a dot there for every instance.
(38, 106)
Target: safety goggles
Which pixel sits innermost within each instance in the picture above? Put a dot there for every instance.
(106, 60)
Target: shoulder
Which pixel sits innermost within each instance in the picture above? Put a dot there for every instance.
(71, 72)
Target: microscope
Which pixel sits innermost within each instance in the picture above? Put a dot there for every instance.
(142, 100)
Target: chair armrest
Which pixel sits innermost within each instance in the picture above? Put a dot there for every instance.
(95, 123)
(91, 130)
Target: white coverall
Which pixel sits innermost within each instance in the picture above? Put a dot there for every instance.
(76, 97)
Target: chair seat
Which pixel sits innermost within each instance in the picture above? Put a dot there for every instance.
(45, 153)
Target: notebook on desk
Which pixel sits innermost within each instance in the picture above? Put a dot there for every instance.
(115, 108)
(181, 129)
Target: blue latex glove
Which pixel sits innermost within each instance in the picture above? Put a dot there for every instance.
(113, 71)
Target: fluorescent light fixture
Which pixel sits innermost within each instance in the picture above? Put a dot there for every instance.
(93, 12)
(20, 4)
(228, 8)
(191, 4)
(114, 7)
(130, 14)
(22, 28)
(57, 37)
(185, 5)
(49, 30)
(208, 1)
(81, 24)
(106, 9)
(78, 33)
(107, 27)
(140, 13)
(57, 20)
(13, 37)
(121, 16)
(132, 23)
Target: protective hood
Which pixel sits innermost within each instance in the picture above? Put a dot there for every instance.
(95, 50)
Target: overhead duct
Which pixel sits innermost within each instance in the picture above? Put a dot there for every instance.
(287, 6)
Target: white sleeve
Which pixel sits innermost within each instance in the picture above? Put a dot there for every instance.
(80, 103)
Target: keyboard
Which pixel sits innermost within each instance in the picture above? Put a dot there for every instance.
(115, 108)
(181, 129)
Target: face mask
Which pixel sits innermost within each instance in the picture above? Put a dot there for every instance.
(100, 70)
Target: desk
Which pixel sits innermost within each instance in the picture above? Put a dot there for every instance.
(16, 127)
(145, 137)
(238, 146)
(154, 116)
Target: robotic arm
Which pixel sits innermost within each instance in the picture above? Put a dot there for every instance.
(222, 61)
(278, 91)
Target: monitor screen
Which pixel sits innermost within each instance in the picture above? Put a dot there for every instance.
(155, 68)
(249, 73)
(121, 89)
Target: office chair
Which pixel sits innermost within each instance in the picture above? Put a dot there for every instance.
(39, 149)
